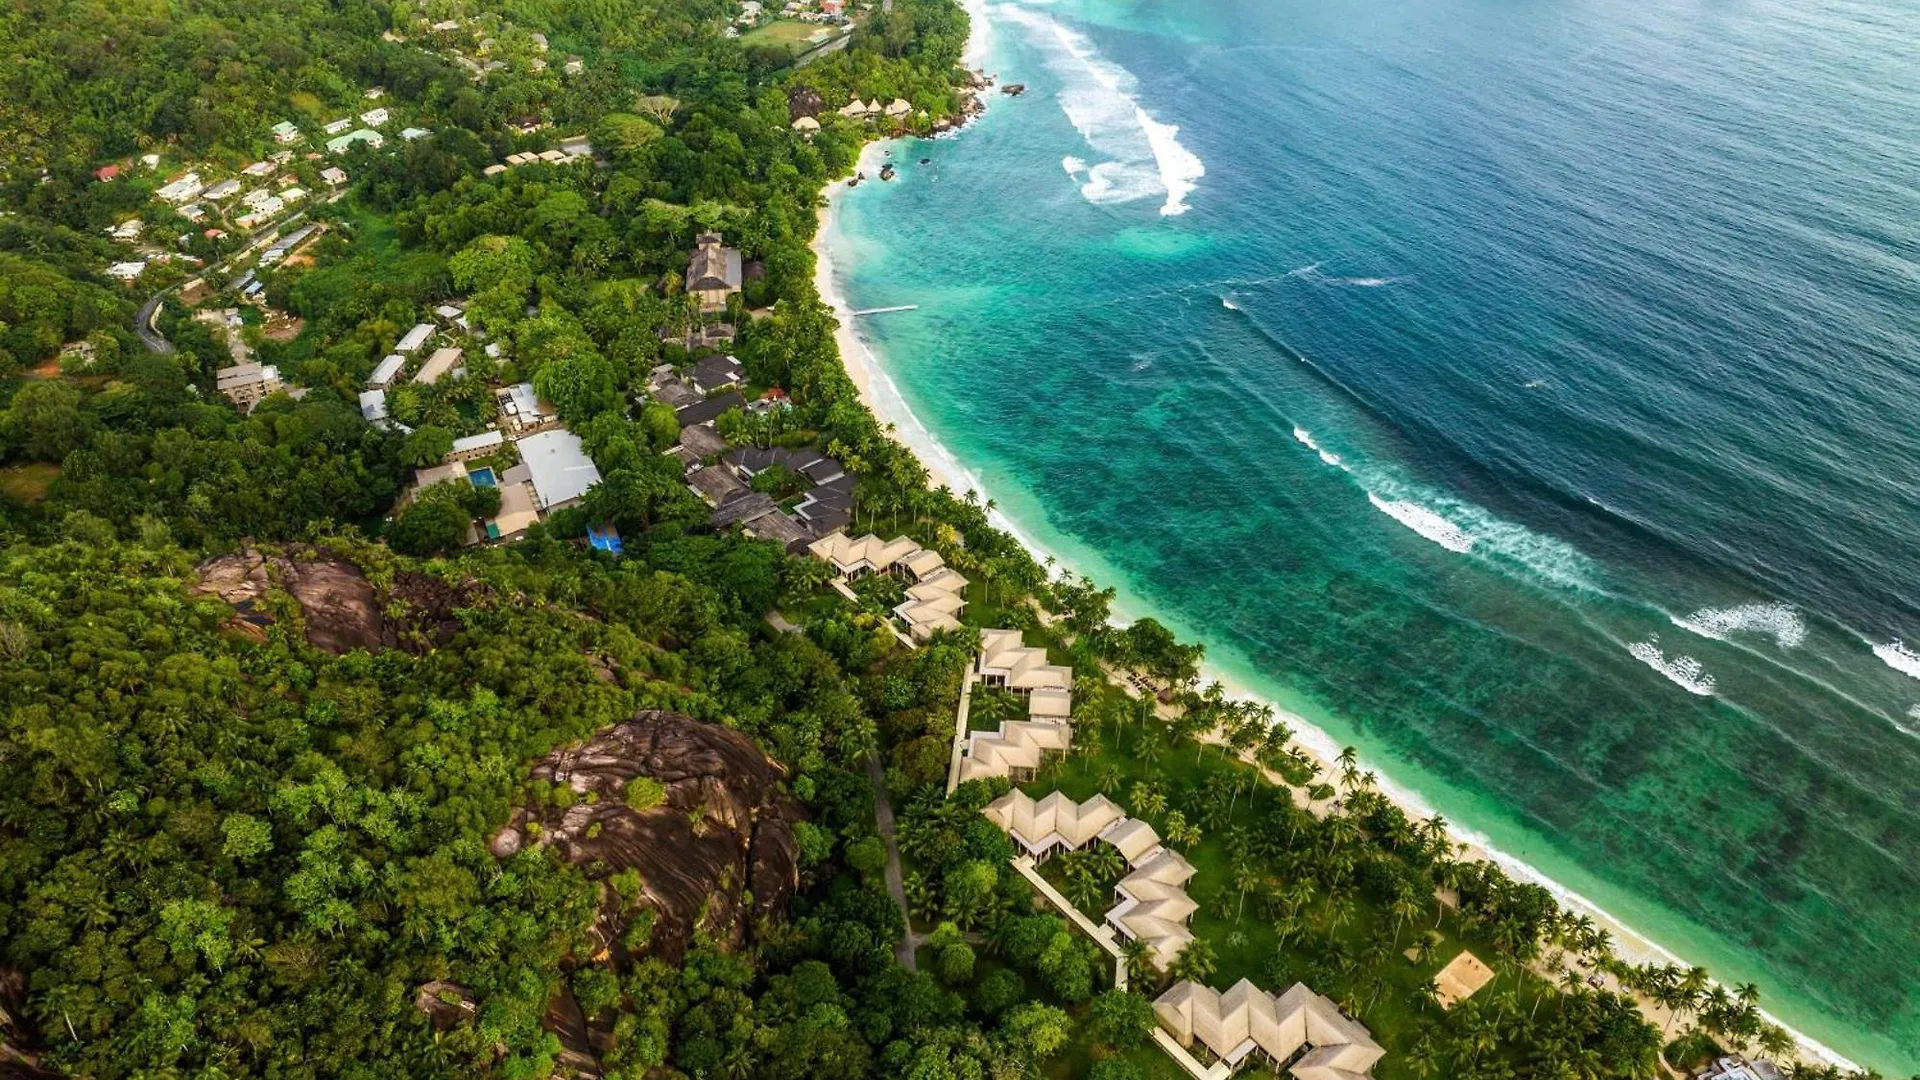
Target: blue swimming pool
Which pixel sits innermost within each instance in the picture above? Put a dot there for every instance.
(481, 477)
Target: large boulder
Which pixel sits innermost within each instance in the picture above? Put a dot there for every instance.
(711, 836)
(340, 610)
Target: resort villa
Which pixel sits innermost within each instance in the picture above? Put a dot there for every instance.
(933, 600)
(1151, 904)
(1246, 1023)
(247, 384)
(713, 272)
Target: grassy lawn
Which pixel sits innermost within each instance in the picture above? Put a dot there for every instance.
(788, 34)
(28, 483)
(1384, 993)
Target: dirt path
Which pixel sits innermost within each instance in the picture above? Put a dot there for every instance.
(883, 818)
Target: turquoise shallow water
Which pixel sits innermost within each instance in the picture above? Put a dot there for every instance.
(1527, 394)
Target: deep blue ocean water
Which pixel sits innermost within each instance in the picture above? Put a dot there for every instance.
(1526, 393)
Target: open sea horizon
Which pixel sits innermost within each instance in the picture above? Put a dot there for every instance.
(1526, 395)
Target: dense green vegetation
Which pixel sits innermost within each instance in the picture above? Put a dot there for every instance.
(226, 852)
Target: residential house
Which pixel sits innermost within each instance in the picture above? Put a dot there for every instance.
(106, 174)
(410, 342)
(373, 406)
(247, 384)
(437, 365)
(259, 169)
(386, 371)
(713, 271)
(127, 271)
(414, 134)
(341, 144)
(222, 191)
(182, 190)
(712, 374)
(128, 230)
(558, 468)
(523, 410)
(284, 132)
(706, 412)
(333, 176)
(469, 447)
(806, 125)
(373, 118)
(193, 212)
(335, 127)
(899, 109)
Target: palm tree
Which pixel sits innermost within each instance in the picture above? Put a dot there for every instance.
(1138, 956)
(1195, 963)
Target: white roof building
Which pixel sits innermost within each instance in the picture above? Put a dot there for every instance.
(468, 447)
(386, 370)
(373, 405)
(127, 271)
(374, 117)
(560, 470)
(414, 338)
(411, 134)
(335, 127)
(334, 176)
(181, 190)
(222, 191)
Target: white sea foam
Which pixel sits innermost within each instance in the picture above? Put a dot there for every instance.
(1365, 282)
(1303, 271)
(1305, 438)
(1227, 302)
(1143, 156)
(1425, 521)
(1461, 526)
(1778, 621)
(1897, 656)
(1684, 671)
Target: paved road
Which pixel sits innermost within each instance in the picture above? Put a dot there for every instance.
(143, 325)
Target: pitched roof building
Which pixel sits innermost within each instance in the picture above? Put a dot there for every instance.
(1246, 1021)
(713, 271)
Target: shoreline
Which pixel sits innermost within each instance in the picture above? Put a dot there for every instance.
(882, 398)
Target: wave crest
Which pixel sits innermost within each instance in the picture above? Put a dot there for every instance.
(1683, 671)
(1897, 656)
(1776, 620)
(1425, 521)
(1101, 99)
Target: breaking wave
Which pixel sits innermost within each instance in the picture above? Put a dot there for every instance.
(1305, 438)
(1144, 156)
(1778, 621)
(1897, 656)
(1683, 671)
(1461, 526)
(1425, 521)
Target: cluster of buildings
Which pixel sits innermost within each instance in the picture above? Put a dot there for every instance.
(573, 148)
(865, 111)
(723, 475)
(1151, 904)
(1298, 1031)
(934, 589)
(553, 470)
(1018, 748)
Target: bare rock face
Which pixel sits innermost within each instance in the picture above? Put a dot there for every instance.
(716, 853)
(340, 608)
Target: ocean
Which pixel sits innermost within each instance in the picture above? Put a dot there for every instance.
(1528, 395)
